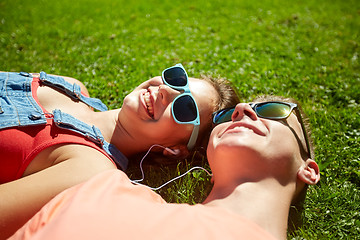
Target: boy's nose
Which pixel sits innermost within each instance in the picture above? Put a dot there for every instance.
(241, 110)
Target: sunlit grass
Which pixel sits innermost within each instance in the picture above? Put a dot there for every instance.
(308, 50)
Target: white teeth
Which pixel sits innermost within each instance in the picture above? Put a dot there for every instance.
(148, 103)
(243, 128)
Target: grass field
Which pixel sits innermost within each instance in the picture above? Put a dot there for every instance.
(308, 50)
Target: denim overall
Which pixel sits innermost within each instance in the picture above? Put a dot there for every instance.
(19, 108)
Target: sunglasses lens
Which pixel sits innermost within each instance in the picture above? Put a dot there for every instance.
(223, 116)
(184, 109)
(175, 76)
(273, 110)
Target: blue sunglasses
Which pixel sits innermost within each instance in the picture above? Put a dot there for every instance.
(184, 108)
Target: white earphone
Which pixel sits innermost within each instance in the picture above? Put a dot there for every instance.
(172, 151)
(175, 152)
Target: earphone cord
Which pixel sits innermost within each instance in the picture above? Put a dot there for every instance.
(166, 183)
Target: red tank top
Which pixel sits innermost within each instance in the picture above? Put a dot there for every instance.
(20, 145)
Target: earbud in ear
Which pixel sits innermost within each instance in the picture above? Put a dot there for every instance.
(173, 151)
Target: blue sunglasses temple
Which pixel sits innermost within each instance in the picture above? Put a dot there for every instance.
(193, 137)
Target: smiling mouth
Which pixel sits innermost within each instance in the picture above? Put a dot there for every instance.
(241, 128)
(149, 106)
(244, 128)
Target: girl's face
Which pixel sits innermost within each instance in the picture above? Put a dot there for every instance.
(146, 112)
(257, 145)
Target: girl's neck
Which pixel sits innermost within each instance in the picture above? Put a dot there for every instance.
(115, 133)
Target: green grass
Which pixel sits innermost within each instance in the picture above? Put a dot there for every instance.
(308, 50)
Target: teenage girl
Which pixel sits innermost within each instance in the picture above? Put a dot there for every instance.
(51, 138)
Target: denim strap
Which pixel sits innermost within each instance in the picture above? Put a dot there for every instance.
(66, 121)
(17, 106)
(72, 90)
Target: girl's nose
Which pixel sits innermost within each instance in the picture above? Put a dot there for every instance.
(241, 110)
(167, 94)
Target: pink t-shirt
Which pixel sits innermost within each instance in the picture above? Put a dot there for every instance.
(108, 206)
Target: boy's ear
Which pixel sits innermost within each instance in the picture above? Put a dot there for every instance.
(309, 173)
(178, 151)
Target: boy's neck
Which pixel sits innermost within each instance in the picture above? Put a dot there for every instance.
(266, 203)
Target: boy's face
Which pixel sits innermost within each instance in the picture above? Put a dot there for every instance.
(260, 146)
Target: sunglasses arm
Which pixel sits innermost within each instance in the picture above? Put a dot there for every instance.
(193, 137)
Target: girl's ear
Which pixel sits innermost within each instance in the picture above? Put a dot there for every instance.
(309, 173)
(178, 151)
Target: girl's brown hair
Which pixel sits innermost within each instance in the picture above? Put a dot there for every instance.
(227, 97)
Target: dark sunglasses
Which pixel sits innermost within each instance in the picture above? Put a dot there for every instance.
(273, 110)
(184, 108)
